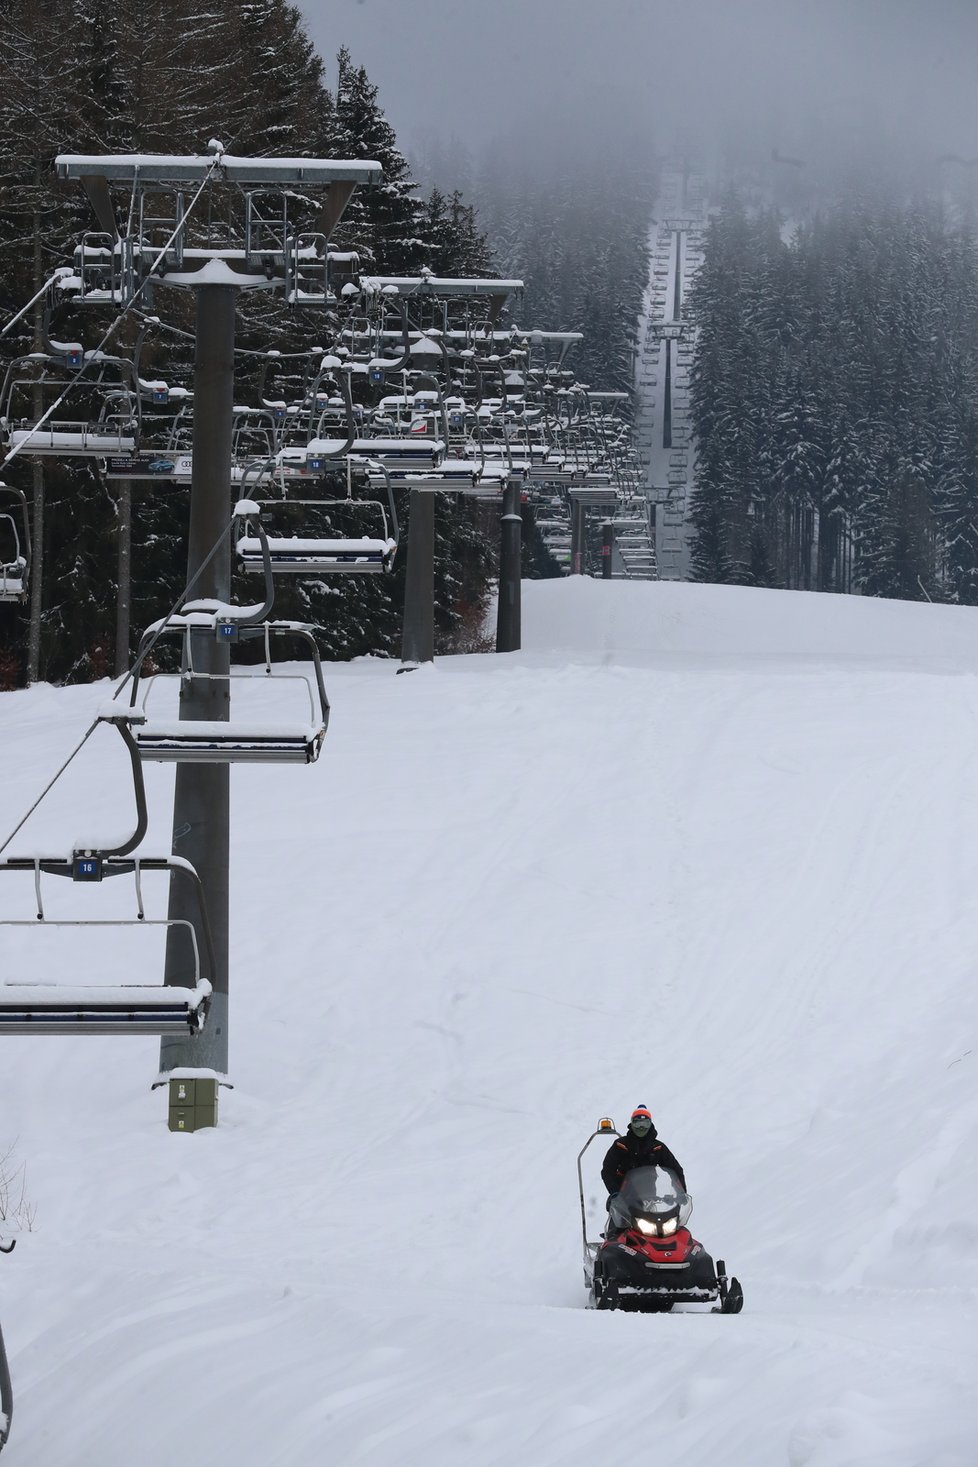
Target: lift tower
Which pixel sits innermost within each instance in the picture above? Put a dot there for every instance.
(272, 247)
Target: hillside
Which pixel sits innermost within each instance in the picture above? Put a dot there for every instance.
(710, 848)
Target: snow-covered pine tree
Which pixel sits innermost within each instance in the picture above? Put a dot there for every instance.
(383, 222)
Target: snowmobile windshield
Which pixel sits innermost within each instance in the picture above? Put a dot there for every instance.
(654, 1195)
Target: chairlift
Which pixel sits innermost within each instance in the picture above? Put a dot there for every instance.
(72, 1007)
(105, 269)
(15, 545)
(254, 433)
(237, 740)
(106, 427)
(305, 554)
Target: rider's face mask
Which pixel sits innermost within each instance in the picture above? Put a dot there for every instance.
(641, 1126)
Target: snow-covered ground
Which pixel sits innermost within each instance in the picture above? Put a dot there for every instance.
(713, 849)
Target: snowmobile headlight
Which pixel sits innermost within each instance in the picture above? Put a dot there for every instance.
(659, 1227)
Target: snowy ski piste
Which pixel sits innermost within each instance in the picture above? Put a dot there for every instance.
(709, 848)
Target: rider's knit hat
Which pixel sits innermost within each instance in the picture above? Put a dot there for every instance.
(641, 1113)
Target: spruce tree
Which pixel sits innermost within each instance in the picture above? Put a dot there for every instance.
(384, 222)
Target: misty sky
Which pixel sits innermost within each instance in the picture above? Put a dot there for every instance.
(775, 70)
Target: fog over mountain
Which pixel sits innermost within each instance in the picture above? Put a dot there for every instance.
(765, 73)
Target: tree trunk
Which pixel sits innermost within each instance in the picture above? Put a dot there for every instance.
(37, 520)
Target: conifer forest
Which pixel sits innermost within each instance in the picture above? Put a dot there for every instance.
(822, 399)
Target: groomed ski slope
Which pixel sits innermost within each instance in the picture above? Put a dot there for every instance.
(714, 849)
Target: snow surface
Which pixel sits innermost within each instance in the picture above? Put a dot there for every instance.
(709, 848)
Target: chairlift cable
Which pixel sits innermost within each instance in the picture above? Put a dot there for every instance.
(33, 300)
(51, 783)
(129, 674)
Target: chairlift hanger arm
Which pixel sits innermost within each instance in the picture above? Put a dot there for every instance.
(378, 464)
(346, 390)
(152, 635)
(435, 386)
(400, 364)
(139, 790)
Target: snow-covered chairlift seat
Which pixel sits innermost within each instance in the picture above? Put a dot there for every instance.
(13, 579)
(71, 440)
(39, 1008)
(201, 742)
(307, 554)
(237, 740)
(398, 455)
(304, 555)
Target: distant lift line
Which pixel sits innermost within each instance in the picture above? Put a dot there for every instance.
(677, 310)
(677, 298)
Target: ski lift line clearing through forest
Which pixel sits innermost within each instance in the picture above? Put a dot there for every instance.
(108, 1008)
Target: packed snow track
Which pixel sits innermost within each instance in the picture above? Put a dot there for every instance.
(710, 848)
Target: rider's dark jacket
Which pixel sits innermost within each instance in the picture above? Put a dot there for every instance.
(631, 1151)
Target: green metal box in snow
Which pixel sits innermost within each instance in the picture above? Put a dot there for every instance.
(183, 1118)
(193, 1092)
(192, 1117)
(182, 1092)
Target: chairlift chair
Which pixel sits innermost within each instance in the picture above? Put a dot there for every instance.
(70, 1007)
(105, 269)
(308, 554)
(15, 544)
(237, 740)
(115, 429)
(324, 555)
(240, 739)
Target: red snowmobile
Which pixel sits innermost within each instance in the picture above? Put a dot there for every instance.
(646, 1259)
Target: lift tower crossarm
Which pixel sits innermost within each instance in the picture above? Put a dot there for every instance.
(175, 168)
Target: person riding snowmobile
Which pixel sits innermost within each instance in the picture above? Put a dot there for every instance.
(640, 1146)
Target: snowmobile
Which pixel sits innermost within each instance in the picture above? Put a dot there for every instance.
(647, 1260)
